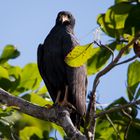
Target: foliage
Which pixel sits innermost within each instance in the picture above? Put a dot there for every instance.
(26, 83)
(121, 23)
(80, 54)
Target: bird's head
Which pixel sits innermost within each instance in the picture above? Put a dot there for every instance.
(65, 18)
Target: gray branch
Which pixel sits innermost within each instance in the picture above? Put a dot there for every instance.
(57, 114)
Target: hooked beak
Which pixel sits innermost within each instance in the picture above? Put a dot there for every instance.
(64, 18)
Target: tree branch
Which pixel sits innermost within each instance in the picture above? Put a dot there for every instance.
(91, 113)
(128, 60)
(57, 114)
(115, 109)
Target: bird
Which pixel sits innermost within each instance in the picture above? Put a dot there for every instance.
(66, 85)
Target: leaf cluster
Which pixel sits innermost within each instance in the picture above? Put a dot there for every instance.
(26, 83)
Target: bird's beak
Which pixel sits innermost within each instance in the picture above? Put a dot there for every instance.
(64, 18)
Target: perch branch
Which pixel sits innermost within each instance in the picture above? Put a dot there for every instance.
(58, 115)
(91, 113)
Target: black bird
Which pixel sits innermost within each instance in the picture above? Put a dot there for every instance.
(65, 84)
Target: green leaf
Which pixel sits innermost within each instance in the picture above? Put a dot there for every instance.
(14, 71)
(133, 133)
(133, 73)
(36, 99)
(9, 52)
(59, 129)
(79, 55)
(105, 131)
(119, 101)
(113, 21)
(5, 84)
(132, 22)
(27, 132)
(5, 111)
(43, 90)
(5, 130)
(133, 78)
(137, 94)
(30, 77)
(99, 59)
(3, 73)
(119, 1)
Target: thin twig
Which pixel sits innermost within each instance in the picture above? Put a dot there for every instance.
(128, 126)
(106, 47)
(125, 61)
(110, 121)
(115, 109)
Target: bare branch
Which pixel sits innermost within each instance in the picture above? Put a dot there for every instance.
(115, 109)
(57, 114)
(129, 124)
(128, 60)
(106, 47)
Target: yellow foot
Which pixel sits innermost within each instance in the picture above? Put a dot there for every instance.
(67, 104)
(48, 106)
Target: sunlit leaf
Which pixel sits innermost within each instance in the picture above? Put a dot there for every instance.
(119, 1)
(113, 21)
(30, 77)
(105, 130)
(133, 73)
(5, 111)
(36, 99)
(31, 121)
(3, 73)
(9, 52)
(14, 71)
(133, 78)
(27, 132)
(99, 59)
(79, 55)
(59, 129)
(42, 90)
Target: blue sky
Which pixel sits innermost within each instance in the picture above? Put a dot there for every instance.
(25, 24)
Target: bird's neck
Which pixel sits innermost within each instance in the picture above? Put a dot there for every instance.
(69, 29)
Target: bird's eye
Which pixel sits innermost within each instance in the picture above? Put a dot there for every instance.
(69, 16)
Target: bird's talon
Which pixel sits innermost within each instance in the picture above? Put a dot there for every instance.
(48, 106)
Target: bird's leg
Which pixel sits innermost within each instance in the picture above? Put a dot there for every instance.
(58, 97)
(65, 100)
